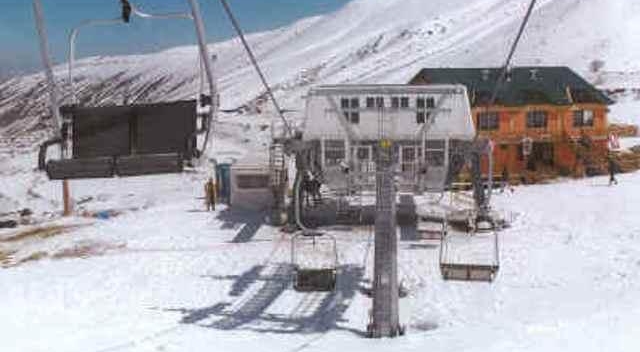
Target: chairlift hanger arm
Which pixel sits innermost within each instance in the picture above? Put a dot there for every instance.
(431, 118)
(351, 134)
(512, 51)
(128, 9)
(255, 64)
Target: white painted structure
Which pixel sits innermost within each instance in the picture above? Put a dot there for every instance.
(327, 106)
(420, 120)
(250, 187)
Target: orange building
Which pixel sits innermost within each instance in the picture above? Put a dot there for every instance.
(544, 121)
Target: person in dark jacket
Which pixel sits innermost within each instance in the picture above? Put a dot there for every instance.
(613, 168)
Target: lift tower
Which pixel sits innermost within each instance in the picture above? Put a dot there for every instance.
(385, 318)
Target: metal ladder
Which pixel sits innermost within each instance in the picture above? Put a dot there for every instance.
(277, 182)
(277, 175)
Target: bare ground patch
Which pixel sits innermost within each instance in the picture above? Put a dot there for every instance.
(41, 232)
(6, 258)
(85, 250)
(78, 251)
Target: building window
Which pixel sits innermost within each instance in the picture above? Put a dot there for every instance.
(375, 102)
(422, 107)
(252, 181)
(583, 118)
(400, 102)
(371, 102)
(363, 153)
(537, 119)
(434, 155)
(351, 109)
(334, 152)
(488, 121)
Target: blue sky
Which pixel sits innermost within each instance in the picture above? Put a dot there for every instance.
(19, 46)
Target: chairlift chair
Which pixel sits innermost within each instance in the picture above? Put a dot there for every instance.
(453, 268)
(130, 140)
(309, 278)
(126, 140)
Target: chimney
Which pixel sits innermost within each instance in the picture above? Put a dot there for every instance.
(485, 74)
(533, 74)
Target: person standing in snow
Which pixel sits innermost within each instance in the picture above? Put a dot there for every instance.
(612, 171)
(505, 179)
(210, 194)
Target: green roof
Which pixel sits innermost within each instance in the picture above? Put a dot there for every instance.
(524, 86)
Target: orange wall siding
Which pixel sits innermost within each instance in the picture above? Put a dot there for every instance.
(559, 131)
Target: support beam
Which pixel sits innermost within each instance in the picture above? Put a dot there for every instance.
(348, 131)
(54, 95)
(385, 317)
(206, 61)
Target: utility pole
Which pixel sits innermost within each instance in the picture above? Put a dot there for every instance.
(54, 95)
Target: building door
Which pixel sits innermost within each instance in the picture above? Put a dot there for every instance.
(409, 159)
(362, 155)
(542, 156)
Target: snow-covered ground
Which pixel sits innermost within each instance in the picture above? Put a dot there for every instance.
(166, 276)
(162, 275)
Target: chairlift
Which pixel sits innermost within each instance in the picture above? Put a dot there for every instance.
(131, 139)
(314, 277)
(470, 255)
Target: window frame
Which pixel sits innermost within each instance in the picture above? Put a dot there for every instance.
(395, 102)
(488, 121)
(423, 105)
(350, 107)
(534, 117)
(580, 121)
(337, 146)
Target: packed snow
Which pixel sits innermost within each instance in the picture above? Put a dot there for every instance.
(142, 266)
(161, 274)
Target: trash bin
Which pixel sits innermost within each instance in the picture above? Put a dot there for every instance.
(223, 180)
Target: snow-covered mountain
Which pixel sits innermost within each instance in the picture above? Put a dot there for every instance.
(366, 41)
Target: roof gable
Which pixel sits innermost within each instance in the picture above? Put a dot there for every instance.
(523, 85)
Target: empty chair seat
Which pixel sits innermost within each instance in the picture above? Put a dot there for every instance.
(149, 164)
(102, 167)
(467, 272)
(315, 280)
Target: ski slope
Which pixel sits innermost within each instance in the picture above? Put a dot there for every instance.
(166, 276)
(161, 275)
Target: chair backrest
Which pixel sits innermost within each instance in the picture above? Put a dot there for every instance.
(115, 131)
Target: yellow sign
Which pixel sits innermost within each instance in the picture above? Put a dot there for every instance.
(385, 143)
